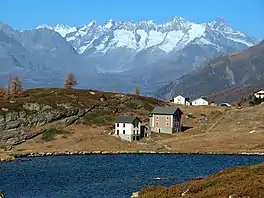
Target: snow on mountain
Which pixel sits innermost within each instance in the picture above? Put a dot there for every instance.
(141, 53)
(143, 35)
(63, 30)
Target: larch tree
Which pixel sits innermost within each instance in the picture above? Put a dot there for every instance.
(70, 81)
(2, 91)
(137, 91)
(15, 85)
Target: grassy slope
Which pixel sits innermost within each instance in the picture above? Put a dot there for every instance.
(214, 129)
(92, 131)
(112, 105)
(239, 182)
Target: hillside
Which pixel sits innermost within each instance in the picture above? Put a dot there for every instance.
(72, 120)
(30, 113)
(244, 181)
(241, 71)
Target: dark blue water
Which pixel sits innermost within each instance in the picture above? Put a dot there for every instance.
(111, 176)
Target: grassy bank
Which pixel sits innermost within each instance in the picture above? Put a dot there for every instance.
(238, 182)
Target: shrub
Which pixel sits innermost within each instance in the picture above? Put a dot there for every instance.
(51, 133)
(133, 105)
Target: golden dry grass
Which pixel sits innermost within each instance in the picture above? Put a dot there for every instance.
(236, 182)
(214, 129)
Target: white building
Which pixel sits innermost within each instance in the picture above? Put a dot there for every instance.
(200, 101)
(181, 100)
(128, 128)
(259, 94)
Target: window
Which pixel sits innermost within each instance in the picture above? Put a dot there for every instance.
(134, 132)
(124, 125)
(117, 132)
(167, 117)
(167, 123)
(124, 131)
(157, 123)
(117, 125)
(157, 117)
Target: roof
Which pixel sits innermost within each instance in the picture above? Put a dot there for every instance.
(203, 98)
(126, 119)
(260, 91)
(165, 110)
(178, 96)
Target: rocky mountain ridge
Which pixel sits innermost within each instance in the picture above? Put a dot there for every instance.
(129, 52)
(242, 71)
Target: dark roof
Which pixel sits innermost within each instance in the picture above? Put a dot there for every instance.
(165, 110)
(126, 119)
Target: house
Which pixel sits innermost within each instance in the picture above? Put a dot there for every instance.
(165, 120)
(181, 100)
(225, 104)
(128, 128)
(200, 101)
(259, 94)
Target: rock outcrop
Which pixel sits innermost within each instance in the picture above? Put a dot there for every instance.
(18, 126)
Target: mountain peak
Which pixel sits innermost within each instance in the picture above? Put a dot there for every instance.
(109, 24)
(219, 24)
(177, 18)
(262, 42)
(63, 30)
(92, 23)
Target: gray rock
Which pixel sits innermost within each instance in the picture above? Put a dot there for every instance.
(13, 124)
(12, 116)
(81, 112)
(36, 107)
(68, 121)
(2, 119)
(22, 114)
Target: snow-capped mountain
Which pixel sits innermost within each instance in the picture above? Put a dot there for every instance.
(142, 35)
(141, 53)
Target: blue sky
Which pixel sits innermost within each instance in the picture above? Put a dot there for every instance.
(244, 15)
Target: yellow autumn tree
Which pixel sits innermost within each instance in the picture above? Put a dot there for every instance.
(137, 91)
(2, 91)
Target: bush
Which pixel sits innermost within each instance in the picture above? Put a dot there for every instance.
(133, 105)
(51, 133)
(98, 121)
(2, 145)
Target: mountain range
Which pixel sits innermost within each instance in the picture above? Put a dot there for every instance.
(115, 55)
(225, 78)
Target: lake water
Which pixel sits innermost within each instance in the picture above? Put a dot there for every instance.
(110, 176)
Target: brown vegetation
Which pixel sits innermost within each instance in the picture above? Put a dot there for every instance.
(206, 129)
(15, 85)
(137, 90)
(233, 182)
(70, 81)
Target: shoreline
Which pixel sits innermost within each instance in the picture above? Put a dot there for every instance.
(14, 156)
